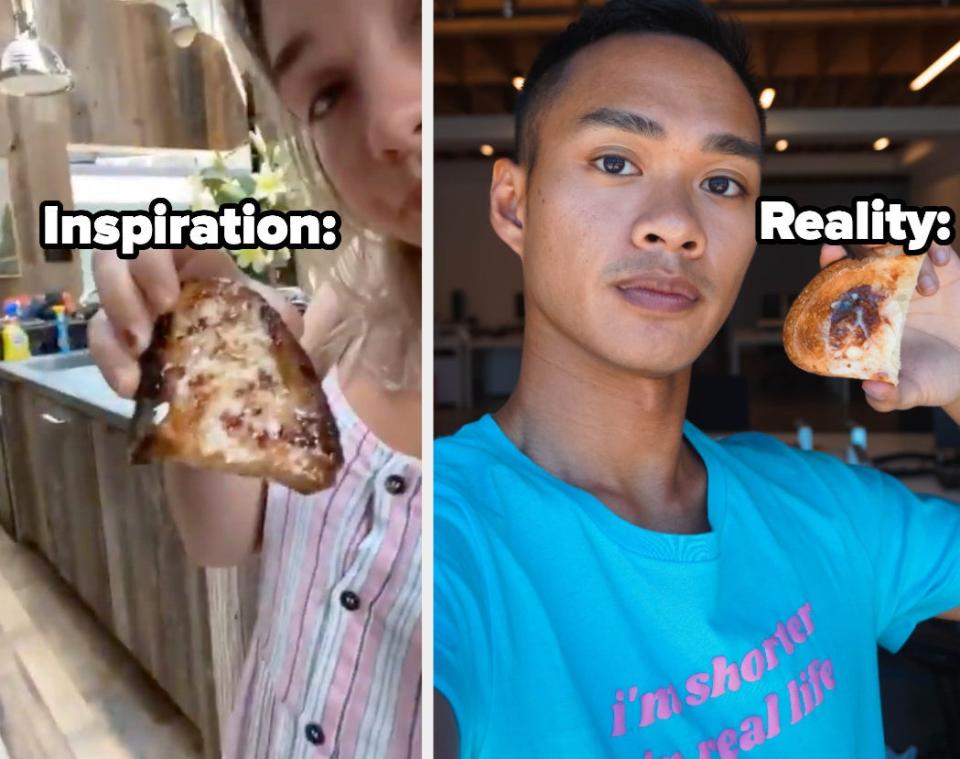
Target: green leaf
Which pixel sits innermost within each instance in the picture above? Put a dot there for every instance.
(248, 185)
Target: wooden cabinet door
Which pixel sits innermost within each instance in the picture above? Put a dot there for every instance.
(7, 522)
(19, 471)
(68, 501)
(159, 598)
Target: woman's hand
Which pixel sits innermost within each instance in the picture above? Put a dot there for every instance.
(133, 293)
(930, 351)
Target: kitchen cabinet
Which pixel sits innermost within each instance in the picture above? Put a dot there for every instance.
(19, 474)
(105, 526)
(158, 599)
(6, 503)
(67, 502)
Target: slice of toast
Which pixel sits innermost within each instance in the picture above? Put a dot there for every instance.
(849, 320)
(236, 392)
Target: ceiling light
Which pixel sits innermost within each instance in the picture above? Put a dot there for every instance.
(518, 83)
(881, 143)
(781, 145)
(30, 68)
(183, 26)
(936, 68)
(766, 97)
(486, 150)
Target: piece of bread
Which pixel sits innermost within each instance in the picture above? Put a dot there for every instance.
(849, 320)
(239, 392)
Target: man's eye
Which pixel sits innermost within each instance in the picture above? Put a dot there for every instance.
(616, 165)
(324, 103)
(722, 186)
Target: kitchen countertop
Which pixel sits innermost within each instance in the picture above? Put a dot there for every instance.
(83, 387)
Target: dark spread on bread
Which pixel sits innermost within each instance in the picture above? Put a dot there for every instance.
(855, 316)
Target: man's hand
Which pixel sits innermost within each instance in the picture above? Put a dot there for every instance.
(930, 352)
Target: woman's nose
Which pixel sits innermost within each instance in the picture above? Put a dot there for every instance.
(395, 113)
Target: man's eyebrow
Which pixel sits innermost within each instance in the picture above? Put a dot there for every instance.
(644, 126)
(625, 120)
(288, 55)
(730, 144)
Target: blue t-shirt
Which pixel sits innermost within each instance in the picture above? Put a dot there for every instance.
(562, 630)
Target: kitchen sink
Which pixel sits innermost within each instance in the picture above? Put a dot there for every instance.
(58, 362)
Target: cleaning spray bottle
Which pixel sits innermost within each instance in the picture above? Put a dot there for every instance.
(16, 343)
(63, 330)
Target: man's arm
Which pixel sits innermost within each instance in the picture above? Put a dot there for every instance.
(953, 411)
(446, 738)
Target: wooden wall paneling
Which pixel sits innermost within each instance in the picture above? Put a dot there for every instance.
(226, 109)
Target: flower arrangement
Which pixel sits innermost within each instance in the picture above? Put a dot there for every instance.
(270, 186)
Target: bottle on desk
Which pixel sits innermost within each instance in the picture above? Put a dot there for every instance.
(804, 436)
(857, 449)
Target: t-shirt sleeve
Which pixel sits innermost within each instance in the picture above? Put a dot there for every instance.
(913, 542)
(463, 665)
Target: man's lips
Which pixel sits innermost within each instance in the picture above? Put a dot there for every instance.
(660, 293)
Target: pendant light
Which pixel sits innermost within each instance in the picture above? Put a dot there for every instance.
(183, 26)
(27, 66)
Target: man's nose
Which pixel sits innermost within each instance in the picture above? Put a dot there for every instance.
(668, 220)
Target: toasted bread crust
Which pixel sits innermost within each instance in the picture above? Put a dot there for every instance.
(811, 336)
(244, 396)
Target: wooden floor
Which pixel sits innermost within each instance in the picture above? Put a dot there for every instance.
(67, 689)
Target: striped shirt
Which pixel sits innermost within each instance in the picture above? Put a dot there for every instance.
(333, 668)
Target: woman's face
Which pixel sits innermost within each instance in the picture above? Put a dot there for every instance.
(350, 71)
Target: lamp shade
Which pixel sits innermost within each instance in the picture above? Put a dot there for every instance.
(30, 68)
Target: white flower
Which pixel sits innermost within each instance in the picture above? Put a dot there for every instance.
(269, 185)
(252, 258)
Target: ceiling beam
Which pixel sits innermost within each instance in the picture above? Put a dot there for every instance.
(835, 125)
(786, 17)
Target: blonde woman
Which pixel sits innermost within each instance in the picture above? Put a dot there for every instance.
(334, 665)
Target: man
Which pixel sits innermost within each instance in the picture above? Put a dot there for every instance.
(609, 581)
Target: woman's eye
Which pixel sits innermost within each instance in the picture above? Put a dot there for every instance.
(616, 165)
(324, 103)
(722, 186)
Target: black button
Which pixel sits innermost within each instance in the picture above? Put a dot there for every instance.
(350, 600)
(395, 484)
(314, 734)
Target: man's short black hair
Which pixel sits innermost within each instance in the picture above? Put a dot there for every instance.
(683, 18)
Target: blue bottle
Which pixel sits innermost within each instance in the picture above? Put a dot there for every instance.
(63, 332)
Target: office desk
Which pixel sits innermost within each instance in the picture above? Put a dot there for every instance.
(881, 444)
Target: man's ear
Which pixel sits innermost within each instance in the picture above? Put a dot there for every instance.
(508, 202)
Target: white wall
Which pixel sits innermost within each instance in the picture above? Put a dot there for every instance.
(469, 255)
(935, 178)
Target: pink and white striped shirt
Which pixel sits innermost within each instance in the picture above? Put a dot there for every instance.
(333, 668)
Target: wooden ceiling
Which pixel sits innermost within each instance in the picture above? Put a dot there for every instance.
(823, 54)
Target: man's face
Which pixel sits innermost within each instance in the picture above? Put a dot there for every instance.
(639, 214)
